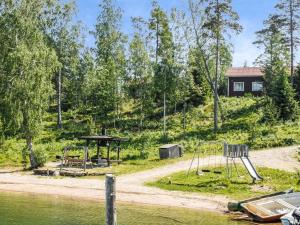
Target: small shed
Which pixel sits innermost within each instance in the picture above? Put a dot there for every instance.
(170, 151)
(243, 80)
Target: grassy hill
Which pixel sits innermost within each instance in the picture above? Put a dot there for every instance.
(241, 124)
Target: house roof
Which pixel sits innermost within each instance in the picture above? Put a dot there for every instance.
(244, 72)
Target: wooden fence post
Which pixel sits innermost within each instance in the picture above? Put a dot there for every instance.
(111, 212)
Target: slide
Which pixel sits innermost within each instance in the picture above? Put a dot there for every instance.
(253, 173)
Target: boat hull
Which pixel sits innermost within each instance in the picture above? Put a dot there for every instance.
(271, 209)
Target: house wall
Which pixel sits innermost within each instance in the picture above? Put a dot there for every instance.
(247, 85)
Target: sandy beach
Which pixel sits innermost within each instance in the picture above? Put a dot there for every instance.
(131, 188)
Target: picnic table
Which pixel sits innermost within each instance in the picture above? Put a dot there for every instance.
(103, 141)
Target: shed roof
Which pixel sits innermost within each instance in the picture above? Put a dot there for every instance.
(244, 72)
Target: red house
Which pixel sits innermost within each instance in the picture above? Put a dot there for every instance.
(243, 80)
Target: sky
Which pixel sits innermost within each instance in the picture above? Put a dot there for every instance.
(252, 14)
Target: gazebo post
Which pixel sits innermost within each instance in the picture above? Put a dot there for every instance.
(108, 151)
(98, 151)
(85, 154)
(119, 148)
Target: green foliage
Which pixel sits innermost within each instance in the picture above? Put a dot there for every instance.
(275, 61)
(40, 156)
(270, 111)
(110, 59)
(27, 66)
(139, 81)
(274, 44)
(242, 125)
(297, 82)
(164, 73)
(199, 87)
(284, 98)
(290, 23)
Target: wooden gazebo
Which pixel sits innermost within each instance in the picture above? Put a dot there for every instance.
(103, 141)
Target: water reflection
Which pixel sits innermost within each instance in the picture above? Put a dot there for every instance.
(25, 209)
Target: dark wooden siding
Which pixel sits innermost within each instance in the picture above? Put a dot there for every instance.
(247, 85)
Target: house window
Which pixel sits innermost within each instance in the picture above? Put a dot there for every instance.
(257, 86)
(238, 86)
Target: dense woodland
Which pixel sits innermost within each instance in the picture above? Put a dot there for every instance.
(173, 63)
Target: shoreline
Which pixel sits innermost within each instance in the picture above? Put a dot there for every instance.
(130, 198)
(102, 201)
(131, 188)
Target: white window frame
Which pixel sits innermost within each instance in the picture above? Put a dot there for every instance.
(235, 89)
(257, 82)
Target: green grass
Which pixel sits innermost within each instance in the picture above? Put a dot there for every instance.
(241, 125)
(237, 187)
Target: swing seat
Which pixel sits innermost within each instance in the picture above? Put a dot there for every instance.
(205, 170)
(218, 172)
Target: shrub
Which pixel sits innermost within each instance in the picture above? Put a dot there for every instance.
(40, 156)
(270, 111)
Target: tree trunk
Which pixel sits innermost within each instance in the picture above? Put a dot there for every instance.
(33, 163)
(141, 116)
(157, 43)
(292, 39)
(58, 95)
(217, 74)
(184, 118)
(165, 106)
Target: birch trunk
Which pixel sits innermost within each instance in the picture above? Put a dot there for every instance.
(33, 163)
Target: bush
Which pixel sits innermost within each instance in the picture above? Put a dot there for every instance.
(40, 156)
(270, 111)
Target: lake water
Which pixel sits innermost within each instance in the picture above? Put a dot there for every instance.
(26, 209)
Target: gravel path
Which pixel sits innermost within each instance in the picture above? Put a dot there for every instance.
(131, 188)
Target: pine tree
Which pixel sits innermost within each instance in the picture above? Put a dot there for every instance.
(211, 21)
(275, 49)
(284, 97)
(289, 12)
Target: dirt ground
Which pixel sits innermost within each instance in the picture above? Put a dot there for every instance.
(131, 188)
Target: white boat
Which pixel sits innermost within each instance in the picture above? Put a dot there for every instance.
(292, 218)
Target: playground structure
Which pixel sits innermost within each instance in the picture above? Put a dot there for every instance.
(231, 152)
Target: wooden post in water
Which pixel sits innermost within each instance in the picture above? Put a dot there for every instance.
(111, 212)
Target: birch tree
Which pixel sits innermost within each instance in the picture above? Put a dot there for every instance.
(110, 58)
(26, 68)
(140, 76)
(65, 38)
(164, 76)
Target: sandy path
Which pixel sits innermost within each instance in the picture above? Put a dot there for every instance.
(131, 188)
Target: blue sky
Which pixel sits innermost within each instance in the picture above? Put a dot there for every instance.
(252, 13)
